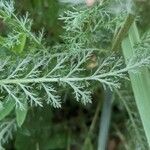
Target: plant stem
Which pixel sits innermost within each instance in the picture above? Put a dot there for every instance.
(93, 121)
(122, 32)
(105, 120)
(99, 77)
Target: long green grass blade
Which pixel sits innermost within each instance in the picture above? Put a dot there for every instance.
(140, 82)
(105, 121)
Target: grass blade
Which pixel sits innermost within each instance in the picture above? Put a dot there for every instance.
(105, 121)
(140, 82)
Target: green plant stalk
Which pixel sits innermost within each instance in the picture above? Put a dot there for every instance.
(140, 82)
(105, 120)
(93, 124)
(71, 79)
(122, 32)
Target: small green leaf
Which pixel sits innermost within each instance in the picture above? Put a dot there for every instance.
(21, 113)
(7, 108)
(18, 48)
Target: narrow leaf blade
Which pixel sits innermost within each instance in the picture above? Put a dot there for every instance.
(140, 82)
(21, 113)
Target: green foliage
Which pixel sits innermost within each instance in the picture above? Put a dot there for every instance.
(18, 48)
(134, 136)
(19, 40)
(45, 14)
(36, 74)
(90, 28)
(7, 107)
(7, 127)
(31, 135)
